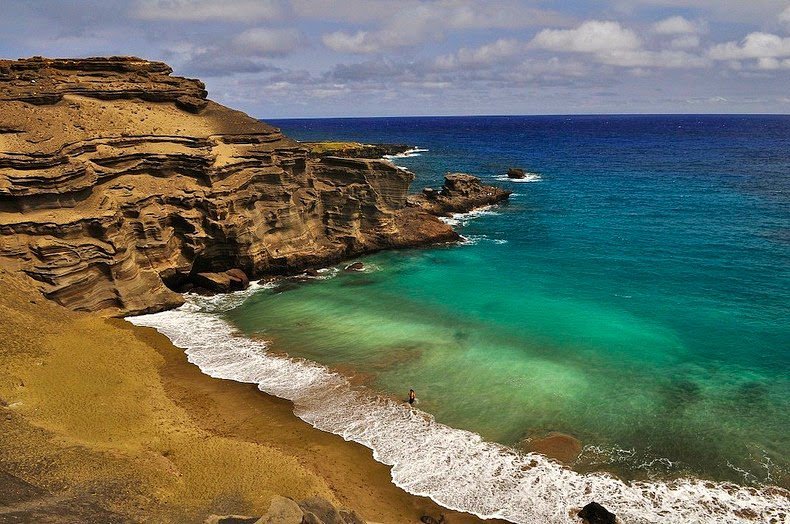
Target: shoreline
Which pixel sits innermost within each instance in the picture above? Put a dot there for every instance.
(526, 481)
(149, 436)
(239, 405)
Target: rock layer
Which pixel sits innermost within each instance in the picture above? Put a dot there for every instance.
(118, 182)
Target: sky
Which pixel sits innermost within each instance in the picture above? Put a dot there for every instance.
(319, 58)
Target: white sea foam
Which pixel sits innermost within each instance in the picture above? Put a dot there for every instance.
(456, 468)
(528, 177)
(461, 219)
(415, 151)
(470, 240)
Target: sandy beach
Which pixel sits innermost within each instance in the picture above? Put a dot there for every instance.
(102, 419)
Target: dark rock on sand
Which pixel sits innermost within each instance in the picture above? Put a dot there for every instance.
(283, 510)
(594, 513)
(231, 280)
(515, 172)
(239, 279)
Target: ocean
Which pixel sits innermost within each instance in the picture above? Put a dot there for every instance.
(634, 293)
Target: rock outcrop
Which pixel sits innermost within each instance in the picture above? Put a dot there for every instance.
(594, 513)
(461, 193)
(283, 510)
(120, 182)
(354, 149)
(516, 172)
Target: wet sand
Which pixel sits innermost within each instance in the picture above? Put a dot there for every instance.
(103, 420)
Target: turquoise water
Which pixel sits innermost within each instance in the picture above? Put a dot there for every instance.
(635, 295)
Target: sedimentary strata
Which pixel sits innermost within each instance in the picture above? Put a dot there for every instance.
(120, 182)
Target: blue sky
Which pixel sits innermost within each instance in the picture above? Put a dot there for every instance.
(294, 58)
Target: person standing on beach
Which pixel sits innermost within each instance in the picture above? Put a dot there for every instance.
(412, 397)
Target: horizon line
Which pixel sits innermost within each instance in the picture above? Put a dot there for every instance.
(503, 115)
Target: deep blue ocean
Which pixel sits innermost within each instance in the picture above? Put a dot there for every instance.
(634, 294)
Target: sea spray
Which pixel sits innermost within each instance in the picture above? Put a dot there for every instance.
(456, 468)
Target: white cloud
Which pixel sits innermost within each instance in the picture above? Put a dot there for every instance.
(784, 17)
(675, 25)
(755, 45)
(482, 56)
(593, 36)
(419, 22)
(772, 64)
(612, 44)
(684, 42)
(209, 10)
(261, 41)
(359, 42)
(663, 58)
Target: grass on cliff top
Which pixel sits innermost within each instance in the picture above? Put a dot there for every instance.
(328, 147)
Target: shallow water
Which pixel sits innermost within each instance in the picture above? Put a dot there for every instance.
(634, 294)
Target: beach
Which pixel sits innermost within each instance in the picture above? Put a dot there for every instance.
(102, 419)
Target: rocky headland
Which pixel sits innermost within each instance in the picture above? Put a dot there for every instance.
(120, 183)
(355, 149)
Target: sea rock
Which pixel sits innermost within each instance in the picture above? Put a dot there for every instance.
(116, 187)
(238, 279)
(356, 266)
(430, 193)
(216, 282)
(594, 513)
(461, 193)
(310, 272)
(282, 511)
(515, 172)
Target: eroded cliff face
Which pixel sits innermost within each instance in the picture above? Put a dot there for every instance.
(117, 181)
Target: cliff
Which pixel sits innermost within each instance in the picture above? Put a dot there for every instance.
(119, 182)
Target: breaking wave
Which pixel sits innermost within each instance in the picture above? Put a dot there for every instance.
(415, 151)
(454, 467)
(528, 177)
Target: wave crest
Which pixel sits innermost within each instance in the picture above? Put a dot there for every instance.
(454, 467)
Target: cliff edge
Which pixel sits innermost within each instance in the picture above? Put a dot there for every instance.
(119, 181)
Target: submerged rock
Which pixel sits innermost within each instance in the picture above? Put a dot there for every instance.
(356, 266)
(594, 513)
(559, 446)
